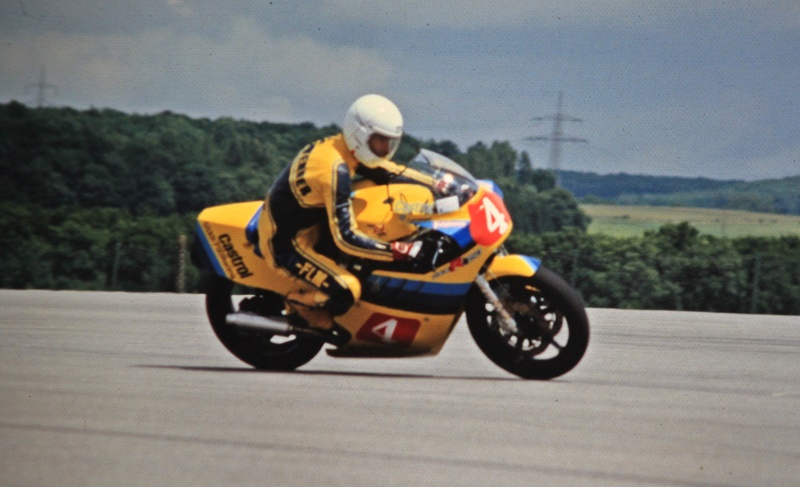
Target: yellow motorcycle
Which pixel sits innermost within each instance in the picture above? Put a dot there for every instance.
(524, 317)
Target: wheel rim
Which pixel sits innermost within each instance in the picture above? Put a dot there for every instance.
(267, 343)
(541, 332)
(262, 350)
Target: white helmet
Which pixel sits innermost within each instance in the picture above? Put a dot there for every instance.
(369, 115)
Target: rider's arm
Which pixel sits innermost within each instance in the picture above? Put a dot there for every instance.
(343, 223)
(390, 172)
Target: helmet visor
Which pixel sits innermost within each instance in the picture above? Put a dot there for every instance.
(383, 146)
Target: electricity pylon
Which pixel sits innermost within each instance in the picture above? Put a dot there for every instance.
(556, 137)
(41, 88)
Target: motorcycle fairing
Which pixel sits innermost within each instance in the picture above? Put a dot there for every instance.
(373, 336)
(399, 313)
(491, 186)
(458, 229)
(252, 232)
(415, 295)
(513, 265)
(222, 232)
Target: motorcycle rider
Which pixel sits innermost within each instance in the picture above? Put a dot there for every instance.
(309, 205)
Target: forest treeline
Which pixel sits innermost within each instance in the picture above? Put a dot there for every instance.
(780, 196)
(674, 268)
(99, 199)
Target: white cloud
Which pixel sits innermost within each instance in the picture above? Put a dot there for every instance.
(123, 15)
(249, 71)
(674, 87)
(181, 7)
(615, 14)
(681, 136)
(472, 14)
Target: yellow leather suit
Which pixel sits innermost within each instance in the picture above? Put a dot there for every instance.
(308, 218)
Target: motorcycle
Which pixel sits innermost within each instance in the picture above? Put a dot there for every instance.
(522, 316)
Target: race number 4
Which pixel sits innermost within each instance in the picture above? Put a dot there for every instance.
(490, 219)
(385, 330)
(495, 220)
(390, 330)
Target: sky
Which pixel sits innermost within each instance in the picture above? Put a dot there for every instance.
(672, 88)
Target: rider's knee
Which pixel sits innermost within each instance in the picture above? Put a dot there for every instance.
(353, 285)
(344, 299)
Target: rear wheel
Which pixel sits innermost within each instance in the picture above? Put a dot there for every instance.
(260, 349)
(553, 329)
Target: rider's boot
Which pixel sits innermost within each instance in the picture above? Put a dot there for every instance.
(310, 306)
(317, 317)
(320, 320)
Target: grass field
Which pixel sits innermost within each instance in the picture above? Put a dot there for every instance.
(627, 221)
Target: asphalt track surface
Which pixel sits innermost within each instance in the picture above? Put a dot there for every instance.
(102, 389)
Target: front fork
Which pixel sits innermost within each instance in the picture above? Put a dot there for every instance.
(507, 322)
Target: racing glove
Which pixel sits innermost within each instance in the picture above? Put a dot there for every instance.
(406, 250)
(444, 185)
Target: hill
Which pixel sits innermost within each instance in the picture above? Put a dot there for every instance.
(630, 221)
(770, 196)
(171, 164)
(100, 199)
(145, 164)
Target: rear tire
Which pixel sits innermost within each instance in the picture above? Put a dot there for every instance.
(262, 350)
(553, 327)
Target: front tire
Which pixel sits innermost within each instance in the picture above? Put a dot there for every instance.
(553, 327)
(262, 350)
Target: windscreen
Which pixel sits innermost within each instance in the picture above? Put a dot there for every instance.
(454, 183)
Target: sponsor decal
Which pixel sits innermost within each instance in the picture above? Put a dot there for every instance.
(230, 257)
(458, 262)
(402, 207)
(390, 330)
(300, 176)
(311, 273)
(447, 224)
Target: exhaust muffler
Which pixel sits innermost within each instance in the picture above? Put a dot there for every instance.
(257, 322)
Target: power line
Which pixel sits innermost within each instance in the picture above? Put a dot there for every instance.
(41, 89)
(556, 137)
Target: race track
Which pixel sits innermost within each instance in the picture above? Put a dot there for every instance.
(118, 389)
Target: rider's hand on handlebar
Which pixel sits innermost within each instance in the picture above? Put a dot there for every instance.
(444, 185)
(406, 250)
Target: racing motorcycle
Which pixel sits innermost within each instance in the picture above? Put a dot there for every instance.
(523, 317)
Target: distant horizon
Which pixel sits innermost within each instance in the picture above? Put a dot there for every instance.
(460, 148)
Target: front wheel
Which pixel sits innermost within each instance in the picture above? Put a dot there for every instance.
(553, 329)
(260, 349)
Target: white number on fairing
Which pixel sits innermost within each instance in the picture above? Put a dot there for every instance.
(495, 220)
(385, 330)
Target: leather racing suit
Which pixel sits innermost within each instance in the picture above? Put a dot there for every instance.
(308, 215)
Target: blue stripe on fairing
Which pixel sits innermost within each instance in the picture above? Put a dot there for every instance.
(251, 232)
(494, 187)
(532, 261)
(428, 287)
(212, 256)
(417, 296)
